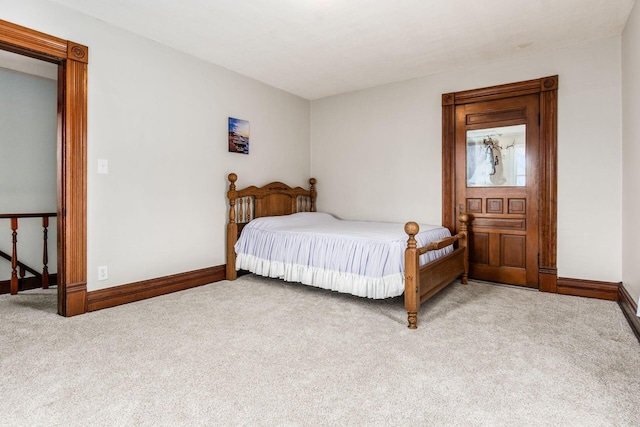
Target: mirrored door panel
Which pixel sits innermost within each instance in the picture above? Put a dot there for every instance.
(496, 157)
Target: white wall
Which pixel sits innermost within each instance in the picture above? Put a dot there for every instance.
(377, 153)
(631, 154)
(160, 118)
(28, 129)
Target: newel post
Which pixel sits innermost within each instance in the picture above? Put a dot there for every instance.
(45, 254)
(14, 256)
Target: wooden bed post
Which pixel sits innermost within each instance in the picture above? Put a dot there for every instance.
(437, 274)
(464, 243)
(312, 191)
(232, 229)
(411, 282)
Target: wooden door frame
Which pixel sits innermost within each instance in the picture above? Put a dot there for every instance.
(547, 89)
(72, 59)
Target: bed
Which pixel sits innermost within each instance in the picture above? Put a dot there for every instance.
(275, 231)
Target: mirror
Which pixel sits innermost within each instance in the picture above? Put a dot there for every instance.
(496, 157)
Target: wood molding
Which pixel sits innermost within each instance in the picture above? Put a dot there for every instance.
(588, 288)
(448, 98)
(547, 205)
(111, 297)
(75, 298)
(35, 44)
(449, 217)
(508, 90)
(72, 61)
(549, 83)
(78, 52)
(72, 198)
(547, 89)
(547, 280)
(630, 310)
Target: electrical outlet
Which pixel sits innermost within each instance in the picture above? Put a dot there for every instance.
(102, 273)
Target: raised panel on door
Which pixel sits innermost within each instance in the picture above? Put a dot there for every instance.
(513, 251)
(479, 248)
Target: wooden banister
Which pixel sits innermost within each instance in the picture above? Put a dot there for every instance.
(21, 265)
(15, 263)
(14, 256)
(28, 215)
(45, 253)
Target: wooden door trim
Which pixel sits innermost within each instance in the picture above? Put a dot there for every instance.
(547, 89)
(72, 59)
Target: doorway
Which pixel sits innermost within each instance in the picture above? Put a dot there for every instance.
(71, 59)
(499, 166)
(28, 129)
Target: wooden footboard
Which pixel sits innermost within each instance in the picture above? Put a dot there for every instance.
(421, 283)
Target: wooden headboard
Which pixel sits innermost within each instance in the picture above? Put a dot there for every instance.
(273, 199)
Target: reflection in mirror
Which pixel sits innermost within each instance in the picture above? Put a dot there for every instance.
(496, 157)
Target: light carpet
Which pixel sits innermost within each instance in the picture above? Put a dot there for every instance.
(263, 352)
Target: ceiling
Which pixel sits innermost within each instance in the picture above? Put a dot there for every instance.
(318, 48)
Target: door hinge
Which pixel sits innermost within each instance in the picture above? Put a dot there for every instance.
(539, 119)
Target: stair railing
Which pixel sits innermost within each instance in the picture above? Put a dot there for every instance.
(15, 263)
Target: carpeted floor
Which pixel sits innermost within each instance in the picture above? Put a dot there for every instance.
(264, 352)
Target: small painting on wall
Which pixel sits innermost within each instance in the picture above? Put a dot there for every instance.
(238, 136)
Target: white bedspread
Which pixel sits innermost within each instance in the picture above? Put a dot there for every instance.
(357, 257)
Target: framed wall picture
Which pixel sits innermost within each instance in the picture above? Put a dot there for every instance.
(238, 136)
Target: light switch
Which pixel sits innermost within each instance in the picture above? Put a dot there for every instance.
(103, 166)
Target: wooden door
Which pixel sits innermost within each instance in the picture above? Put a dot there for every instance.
(497, 184)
